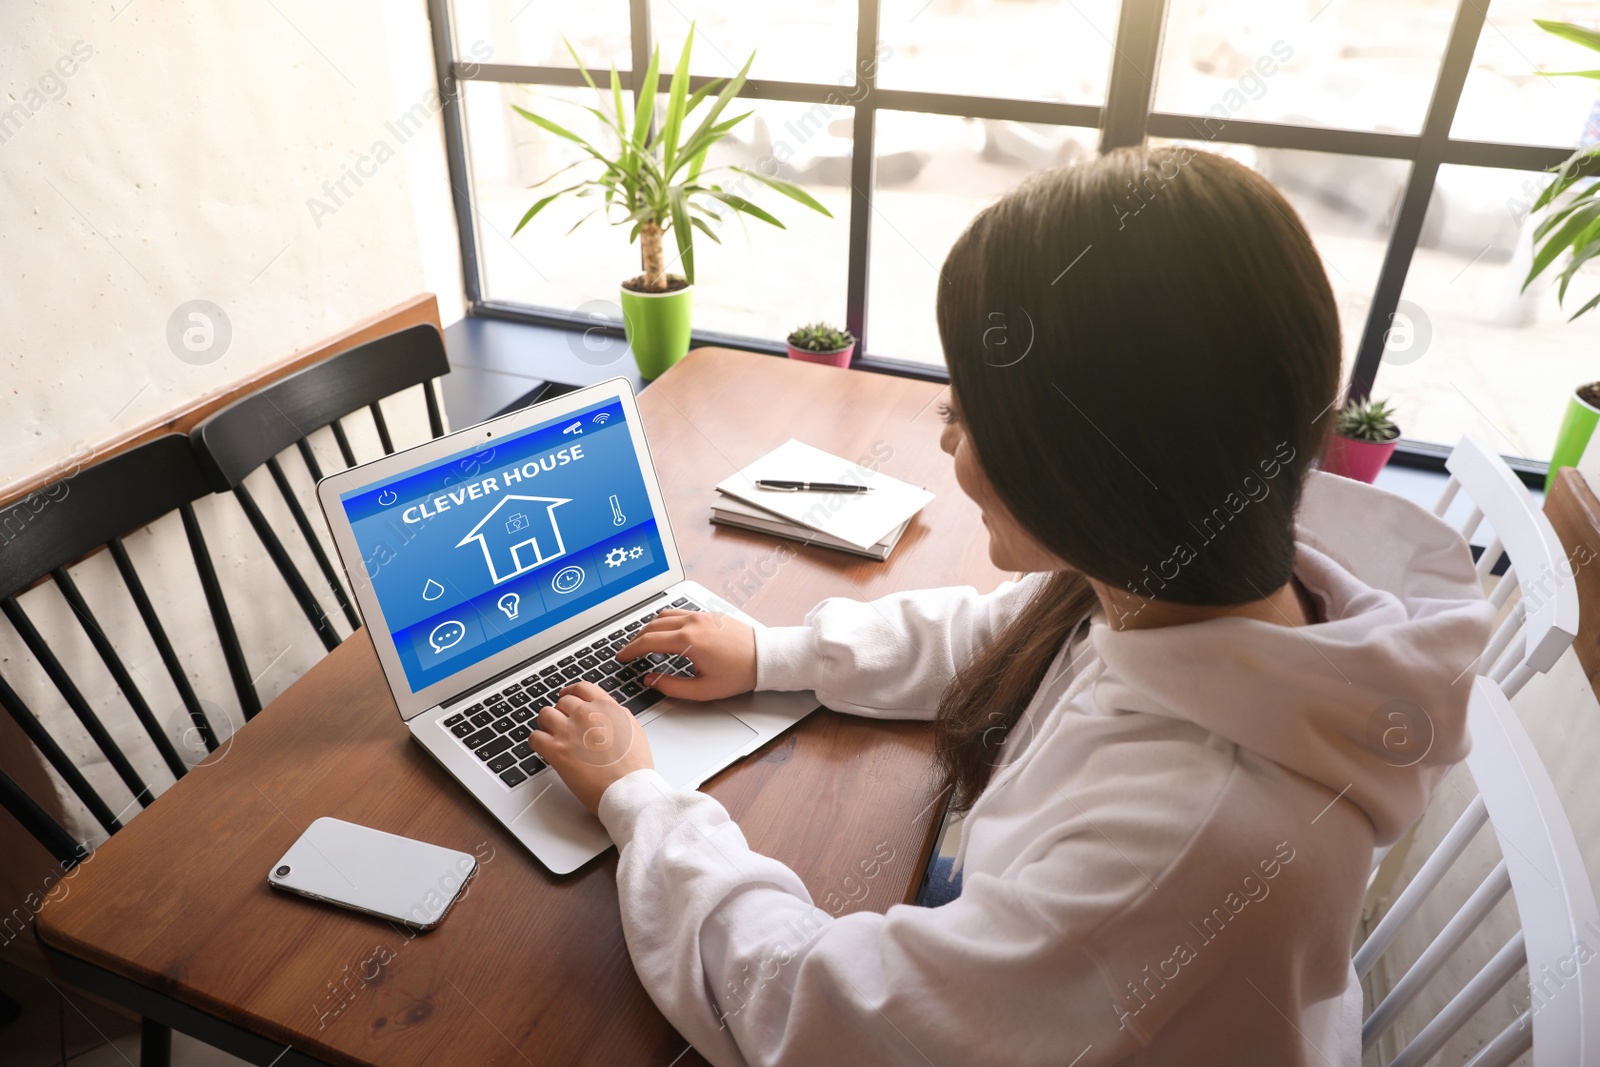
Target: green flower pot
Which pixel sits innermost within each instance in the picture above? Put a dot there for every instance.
(657, 325)
(1577, 426)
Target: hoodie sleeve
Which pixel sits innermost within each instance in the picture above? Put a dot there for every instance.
(887, 658)
(739, 959)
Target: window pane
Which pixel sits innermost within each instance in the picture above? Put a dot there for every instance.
(1348, 203)
(1476, 354)
(934, 173)
(1025, 49)
(508, 153)
(760, 281)
(1356, 64)
(813, 42)
(529, 32)
(1506, 98)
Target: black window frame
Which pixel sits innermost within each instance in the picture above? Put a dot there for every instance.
(1126, 118)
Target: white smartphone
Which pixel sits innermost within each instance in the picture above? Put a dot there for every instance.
(377, 873)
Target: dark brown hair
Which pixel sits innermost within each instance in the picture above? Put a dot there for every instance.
(1142, 350)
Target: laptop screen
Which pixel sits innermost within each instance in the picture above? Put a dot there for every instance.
(478, 551)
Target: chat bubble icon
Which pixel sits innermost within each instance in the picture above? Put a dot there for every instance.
(447, 634)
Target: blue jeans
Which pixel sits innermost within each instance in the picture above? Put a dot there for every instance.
(937, 886)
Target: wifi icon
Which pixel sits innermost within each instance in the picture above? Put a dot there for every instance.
(602, 418)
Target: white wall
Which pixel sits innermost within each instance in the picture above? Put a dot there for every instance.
(152, 153)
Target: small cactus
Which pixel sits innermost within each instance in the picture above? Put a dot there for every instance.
(1368, 420)
(820, 337)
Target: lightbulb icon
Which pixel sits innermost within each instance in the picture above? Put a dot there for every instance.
(508, 604)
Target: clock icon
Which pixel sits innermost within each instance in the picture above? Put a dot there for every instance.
(567, 579)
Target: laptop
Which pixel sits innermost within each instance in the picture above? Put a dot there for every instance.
(501, 562)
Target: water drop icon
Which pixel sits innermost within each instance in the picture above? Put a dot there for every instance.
(432, 590)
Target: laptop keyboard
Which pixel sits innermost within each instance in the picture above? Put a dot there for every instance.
(496, 726)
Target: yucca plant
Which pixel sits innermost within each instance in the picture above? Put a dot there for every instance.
(656, 181)
(820, 337)
(1575, 226)
(1367, 420)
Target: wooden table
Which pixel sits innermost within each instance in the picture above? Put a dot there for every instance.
(173, 915)
(1574, 511)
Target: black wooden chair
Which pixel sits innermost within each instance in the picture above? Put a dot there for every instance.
(52, 529)
(248, 434)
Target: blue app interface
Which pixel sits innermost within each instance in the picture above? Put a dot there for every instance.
(485, 548)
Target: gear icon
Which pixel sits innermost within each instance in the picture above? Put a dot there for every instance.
(635, 552)
(616, 557)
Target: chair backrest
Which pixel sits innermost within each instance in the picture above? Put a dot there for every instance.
(250, 433)
(1544, 872)
(1544, 621)
(60, 524)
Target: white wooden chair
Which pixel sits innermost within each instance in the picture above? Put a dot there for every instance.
(1555, 903)
(1544, 620)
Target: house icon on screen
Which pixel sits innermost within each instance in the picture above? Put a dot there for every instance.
(517, 535)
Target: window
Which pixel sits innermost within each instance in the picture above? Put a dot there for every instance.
(1406, 132)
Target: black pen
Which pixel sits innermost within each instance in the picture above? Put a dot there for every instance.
(810, 487)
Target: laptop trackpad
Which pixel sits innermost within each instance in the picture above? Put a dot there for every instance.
(692, 742)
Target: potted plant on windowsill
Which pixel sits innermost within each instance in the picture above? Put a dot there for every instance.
(821, 343)
(1363, 440)
(1573, 227)
(655, 181)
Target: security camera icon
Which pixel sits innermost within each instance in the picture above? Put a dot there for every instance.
(516, 522)
(447, 634)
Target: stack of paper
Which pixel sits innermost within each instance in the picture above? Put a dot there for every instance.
(867, 524)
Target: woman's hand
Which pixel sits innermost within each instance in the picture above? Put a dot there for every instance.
(590, 740)
(722, 649)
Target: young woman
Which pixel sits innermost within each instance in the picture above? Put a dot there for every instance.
(1223, 680)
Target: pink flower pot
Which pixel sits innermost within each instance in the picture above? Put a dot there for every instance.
(840, 358)
(1361, 460)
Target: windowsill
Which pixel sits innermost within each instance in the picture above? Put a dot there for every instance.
(499, 363)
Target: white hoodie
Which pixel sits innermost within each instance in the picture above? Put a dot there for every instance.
(1165, 869)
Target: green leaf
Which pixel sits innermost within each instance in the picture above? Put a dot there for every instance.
(677, 91)
(684, 235)
(700, 94)
(573, 52)
(1586, 308)
(1570, 74)
(647, 100)
(1568, 31)
(1563, 238)
(616, 101)
(580, 222)
(558, 172)
(696, 161)
(1585, 162)
(555, 128)
(703, 228)
(739, 203)
(695, 148)
(540, 206)
(1584, 248)
(789, 189)
(727, 93)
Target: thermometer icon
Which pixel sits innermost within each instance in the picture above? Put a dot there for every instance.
(617, 517)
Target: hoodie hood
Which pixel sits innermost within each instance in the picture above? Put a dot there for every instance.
(1371, 702)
